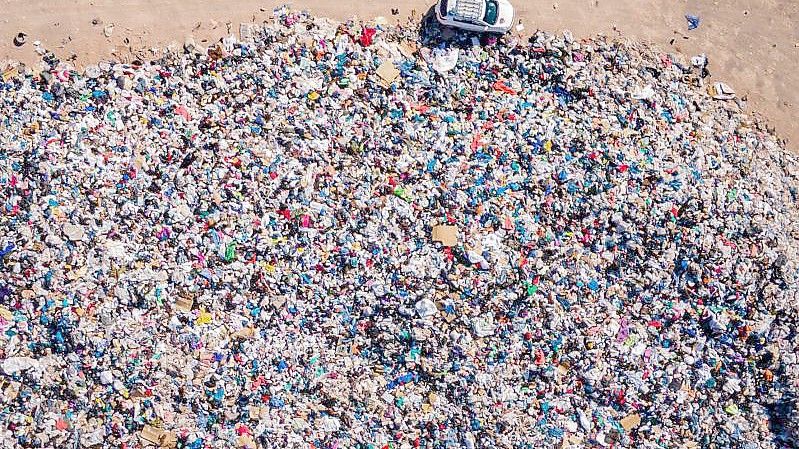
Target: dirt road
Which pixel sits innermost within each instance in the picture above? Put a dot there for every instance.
(752, 45)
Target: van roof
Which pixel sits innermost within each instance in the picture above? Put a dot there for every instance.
(468, 9)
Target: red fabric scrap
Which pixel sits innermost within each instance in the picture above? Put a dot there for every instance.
(502, 87)
(367, 36)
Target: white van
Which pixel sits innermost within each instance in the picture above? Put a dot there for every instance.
(482, 16)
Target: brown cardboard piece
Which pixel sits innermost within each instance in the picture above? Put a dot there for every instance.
(184, 304)
(630, 422)
(408, 49)
(387, 73)
(159, 437)
(10, 73)
(244, 333)
(245, 442)
(446, 234)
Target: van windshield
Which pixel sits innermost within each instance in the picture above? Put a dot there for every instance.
(491, 12)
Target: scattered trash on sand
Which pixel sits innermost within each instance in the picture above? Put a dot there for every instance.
(359, 236)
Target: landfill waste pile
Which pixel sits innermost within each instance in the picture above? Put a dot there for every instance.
(365, 236)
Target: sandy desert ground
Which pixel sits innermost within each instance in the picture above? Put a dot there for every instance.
(753, 45)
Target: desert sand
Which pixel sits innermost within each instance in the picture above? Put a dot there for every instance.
(752, 45)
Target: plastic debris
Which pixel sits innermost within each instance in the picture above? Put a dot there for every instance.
(426, 308)
(74, 232)
(720, 91)
(644, 93)
(693, 21)
(14, 365)
(444, 60)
